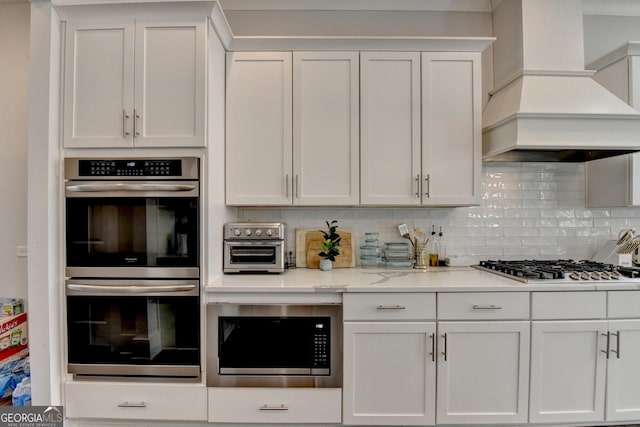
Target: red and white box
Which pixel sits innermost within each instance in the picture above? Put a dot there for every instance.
(13, 335)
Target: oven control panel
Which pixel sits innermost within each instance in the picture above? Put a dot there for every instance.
(127, 168)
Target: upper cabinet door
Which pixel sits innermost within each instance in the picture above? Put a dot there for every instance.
(98, 84)
(326, 128)
(390, 128)
(170, 84)
(451, 128)
(258, 143)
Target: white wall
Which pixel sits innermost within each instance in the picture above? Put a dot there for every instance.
(14, 79)
(528, 210)
(603, 34)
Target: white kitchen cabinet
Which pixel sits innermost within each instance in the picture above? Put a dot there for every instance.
(623, 375)
(451, 129)
(292, 128)
(585, 370)
(615, 181)
(390, 128)
(483, 357)
(134, 82)
(274, 405)
(421, 122)
(259, 150)
(326, 128)
(568, 368)
(389, 359)
(136, 401)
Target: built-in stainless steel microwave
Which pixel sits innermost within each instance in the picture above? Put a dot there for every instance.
(274, 345)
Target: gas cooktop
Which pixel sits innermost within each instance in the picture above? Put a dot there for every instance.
(561, 270)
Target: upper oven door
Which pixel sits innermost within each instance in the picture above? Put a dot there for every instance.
(132, 229)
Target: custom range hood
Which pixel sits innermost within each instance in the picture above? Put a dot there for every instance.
(545, 106)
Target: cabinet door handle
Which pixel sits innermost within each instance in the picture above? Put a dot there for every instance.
(617, 350)
(418, 186)
(286, 186)
(266, 407)
(125, 116)
(391, 307)
(486, 307)
(297, 189)
(433, 347)
(136, 117)
(608, 335)
(128, 404)
(444, 348)
(428, 182)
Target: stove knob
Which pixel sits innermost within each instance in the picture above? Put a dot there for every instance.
(258, 232)
(247, 232)
(236, 232)
(269, 232)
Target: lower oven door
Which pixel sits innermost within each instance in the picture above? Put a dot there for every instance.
(146, 328)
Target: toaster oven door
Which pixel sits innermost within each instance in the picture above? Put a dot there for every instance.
(254, 256)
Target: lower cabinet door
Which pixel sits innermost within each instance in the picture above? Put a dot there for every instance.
(135, 401)
(483, 374)
(623, 375)
(389, 373)
(568, 368)
(274, 405)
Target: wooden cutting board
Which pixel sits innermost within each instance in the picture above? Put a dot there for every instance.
(309, 244)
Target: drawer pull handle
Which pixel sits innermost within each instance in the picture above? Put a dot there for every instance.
(486, 307)
(391, 307)
(266, 407)
(132, 405)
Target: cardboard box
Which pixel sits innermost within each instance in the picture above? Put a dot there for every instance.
(11, 307)
(13, 335)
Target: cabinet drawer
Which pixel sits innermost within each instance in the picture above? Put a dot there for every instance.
(483, 305)
(623, 304)
(568, 305)
(275, 405)
(183, 402)
(389, 306)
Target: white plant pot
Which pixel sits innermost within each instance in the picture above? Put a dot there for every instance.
(326, 264)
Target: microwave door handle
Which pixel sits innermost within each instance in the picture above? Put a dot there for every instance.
(128, 290)
(91, 188)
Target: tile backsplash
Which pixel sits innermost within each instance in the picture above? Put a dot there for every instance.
(528, 210)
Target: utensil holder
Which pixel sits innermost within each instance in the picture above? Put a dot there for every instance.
(421, 254)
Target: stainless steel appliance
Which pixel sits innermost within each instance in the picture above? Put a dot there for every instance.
(561, 271)
(132, 265)
(252, 247)
(132, 217)
(274, 345)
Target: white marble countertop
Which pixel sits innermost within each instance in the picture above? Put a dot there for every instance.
(443, 279)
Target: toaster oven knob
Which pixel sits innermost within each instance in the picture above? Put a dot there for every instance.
(258, 232)
(269, 232)
(247, 232)
(236, 232)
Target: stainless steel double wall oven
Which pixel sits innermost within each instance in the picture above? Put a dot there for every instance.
(133, 267)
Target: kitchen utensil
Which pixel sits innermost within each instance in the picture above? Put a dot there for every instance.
(421, 238)
(404, 232)
(624, 236)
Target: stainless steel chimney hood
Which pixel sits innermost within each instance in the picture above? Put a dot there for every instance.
(545, 106)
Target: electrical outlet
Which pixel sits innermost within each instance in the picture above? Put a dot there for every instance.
(21, 251)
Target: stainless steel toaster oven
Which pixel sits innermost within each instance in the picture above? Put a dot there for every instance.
(251, 247)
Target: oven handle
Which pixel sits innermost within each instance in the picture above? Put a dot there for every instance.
(118, 186)
(131, 289)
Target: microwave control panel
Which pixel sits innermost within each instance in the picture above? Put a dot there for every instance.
(321, 339)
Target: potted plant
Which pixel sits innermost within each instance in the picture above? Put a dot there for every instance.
(330, 247)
